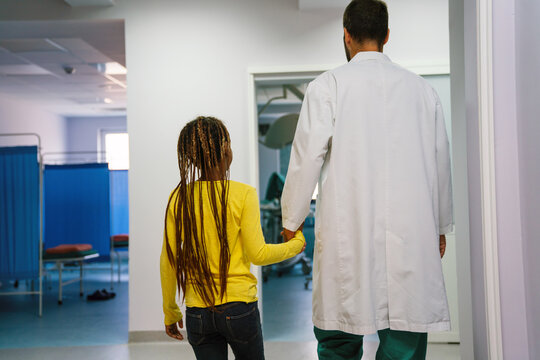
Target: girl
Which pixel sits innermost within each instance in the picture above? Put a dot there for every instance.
(212, 236)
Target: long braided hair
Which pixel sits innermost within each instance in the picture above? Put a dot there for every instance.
(204, 157)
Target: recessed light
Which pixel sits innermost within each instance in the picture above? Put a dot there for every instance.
(110, 68)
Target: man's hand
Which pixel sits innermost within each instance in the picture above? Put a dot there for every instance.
(442, 245)
(289, 234)
(172, 330)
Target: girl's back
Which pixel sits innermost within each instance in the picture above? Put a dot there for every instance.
(245, 239)
(212, 235)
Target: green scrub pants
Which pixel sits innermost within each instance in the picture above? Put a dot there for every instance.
(394, 345)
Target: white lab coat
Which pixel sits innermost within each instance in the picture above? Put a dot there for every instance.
(372, 135)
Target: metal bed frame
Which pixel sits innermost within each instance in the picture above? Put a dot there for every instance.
(60, 265)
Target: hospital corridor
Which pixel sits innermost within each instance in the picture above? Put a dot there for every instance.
(127, 126)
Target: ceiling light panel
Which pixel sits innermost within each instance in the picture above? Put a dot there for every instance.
(50, 58)
(30, 45)
(92, 100)
(24, 69)
(83, 50)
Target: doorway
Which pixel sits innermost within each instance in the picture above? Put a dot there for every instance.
(272, 100)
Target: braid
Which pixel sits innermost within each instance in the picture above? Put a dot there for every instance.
(202, 149)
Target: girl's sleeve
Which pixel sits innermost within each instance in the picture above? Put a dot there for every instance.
(257, 250)
(168, 273)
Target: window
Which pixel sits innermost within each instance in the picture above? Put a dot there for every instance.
(117, 151)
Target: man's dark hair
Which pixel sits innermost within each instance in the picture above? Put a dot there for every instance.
(366, 20)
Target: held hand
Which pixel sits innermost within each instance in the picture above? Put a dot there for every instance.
(172, 330)
(303, 248)
(289, 234)
(442, 245)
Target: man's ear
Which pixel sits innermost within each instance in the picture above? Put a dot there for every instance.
(347, 36)
(387, 36)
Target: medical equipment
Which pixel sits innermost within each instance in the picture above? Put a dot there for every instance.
(271, 223)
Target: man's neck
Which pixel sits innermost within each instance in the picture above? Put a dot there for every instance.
(365, 47)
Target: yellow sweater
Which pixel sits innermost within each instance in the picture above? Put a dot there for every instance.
(246, 245)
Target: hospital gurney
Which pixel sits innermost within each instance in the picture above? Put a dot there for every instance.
(69, 254)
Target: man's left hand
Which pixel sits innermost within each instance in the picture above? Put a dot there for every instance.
(442, 245)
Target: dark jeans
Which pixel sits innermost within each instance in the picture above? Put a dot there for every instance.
(237, 324)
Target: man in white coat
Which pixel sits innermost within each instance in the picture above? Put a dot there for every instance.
(372, 134)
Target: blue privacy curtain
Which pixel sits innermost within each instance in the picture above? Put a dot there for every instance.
(77, 206)
(119, 202)
(19, 212)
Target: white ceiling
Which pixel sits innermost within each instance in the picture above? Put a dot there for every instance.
(35, 54)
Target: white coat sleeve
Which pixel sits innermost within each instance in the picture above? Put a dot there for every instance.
(311, 143)
(444, 175)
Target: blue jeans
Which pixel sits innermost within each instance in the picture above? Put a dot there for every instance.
(237, 324)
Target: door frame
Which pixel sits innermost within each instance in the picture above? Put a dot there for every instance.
(299, 72)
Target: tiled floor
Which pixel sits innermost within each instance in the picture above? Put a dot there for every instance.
(273, 351)
(287, 308)
(99, 330)
(76, 322)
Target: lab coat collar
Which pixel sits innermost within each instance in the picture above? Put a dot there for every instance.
(369, 55)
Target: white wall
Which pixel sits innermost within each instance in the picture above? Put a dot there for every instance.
(460, 178)
(517, 170)
(187, 58)
(528, 78)
(509, 235)
(83, 133)
(18, 116)
(463, 70)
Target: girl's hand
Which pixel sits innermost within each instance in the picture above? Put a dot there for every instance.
(172, 330)
(289, 234)
(303, 248)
